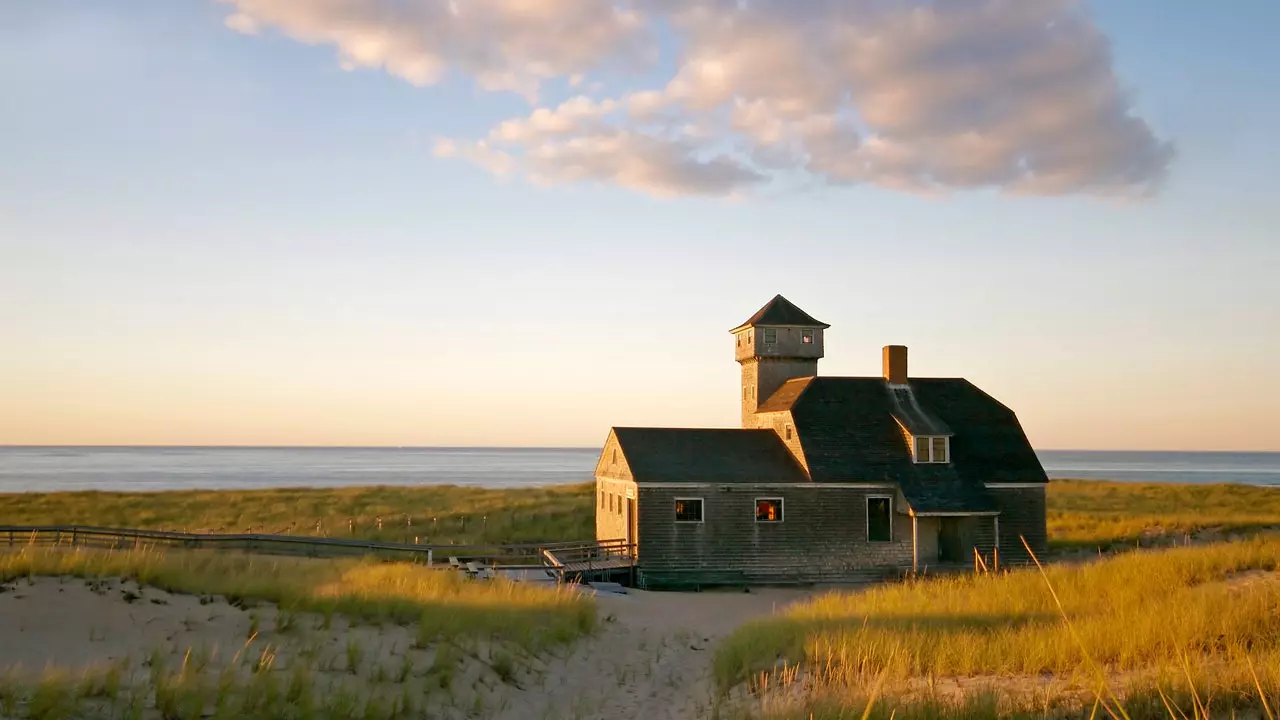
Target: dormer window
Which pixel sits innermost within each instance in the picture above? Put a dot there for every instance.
(932, 449)
(770, 336)
(806, 337)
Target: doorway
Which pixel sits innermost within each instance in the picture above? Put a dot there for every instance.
(951, 539)
(633, 524)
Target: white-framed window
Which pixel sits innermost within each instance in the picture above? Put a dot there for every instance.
(932, 449)
(879, 518)
(769, 510)
(689, 510)
(806, 337)
(770, 336)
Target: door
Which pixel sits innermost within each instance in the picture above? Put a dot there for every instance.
(951, 539)
(633, 524)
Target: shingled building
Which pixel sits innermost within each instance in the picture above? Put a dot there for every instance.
(829, 478)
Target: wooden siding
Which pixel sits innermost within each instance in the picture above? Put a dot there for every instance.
(823, 535)
(1022, 512)
(611, 518)
(761, 378)
(612, 463)
(779, 422)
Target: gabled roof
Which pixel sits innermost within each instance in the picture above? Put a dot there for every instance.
(702, 455)
(781, 312)
(849, 433)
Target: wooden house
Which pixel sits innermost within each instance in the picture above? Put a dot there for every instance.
(828, 479)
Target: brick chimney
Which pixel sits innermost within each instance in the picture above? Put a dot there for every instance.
(895, 364)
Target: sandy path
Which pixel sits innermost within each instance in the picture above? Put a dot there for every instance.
(651, 658)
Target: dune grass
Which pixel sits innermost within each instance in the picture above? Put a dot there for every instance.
(1097, 513)
(434, 515)
(1162, 620)
(442, 604)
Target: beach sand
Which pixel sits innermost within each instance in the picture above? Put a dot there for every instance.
(650, 657)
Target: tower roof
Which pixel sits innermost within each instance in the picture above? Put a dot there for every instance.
(781, 311)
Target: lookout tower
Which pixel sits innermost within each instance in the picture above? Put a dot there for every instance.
(780, 342)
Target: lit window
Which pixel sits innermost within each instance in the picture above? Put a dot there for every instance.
(879, 519)
(770, 336)
(932, 449)
(768, 509)
(689, 510)
(806, 337)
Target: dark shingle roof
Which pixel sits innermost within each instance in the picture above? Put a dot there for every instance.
(707, 455)
(916, 420)
(786, 395)
(781, 311)
(848, 433)
(989, 442)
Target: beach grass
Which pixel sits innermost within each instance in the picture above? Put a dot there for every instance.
(1195, 620)
(442, 515)
(442, 604)
(1104, 514)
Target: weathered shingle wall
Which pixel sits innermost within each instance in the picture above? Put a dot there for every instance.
(1022, 512)
(611, 508)
(823, 533)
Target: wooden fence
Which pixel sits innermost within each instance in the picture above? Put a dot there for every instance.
(15, 536)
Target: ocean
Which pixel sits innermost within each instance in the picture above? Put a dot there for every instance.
(47, 469)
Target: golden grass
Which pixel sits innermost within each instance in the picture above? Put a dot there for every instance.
(435, 515)
(1096, 513)
(1149, 621)
(442, 603)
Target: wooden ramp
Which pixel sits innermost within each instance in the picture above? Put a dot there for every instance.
(603, 560)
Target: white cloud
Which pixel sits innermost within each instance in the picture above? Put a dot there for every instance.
(923, 95)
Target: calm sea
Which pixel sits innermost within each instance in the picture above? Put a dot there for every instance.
(43, 469)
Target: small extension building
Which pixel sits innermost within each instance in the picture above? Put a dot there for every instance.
(828, 479)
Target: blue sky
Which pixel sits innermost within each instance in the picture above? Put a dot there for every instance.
(214, 234)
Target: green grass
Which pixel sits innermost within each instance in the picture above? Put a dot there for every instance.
(446, 604)
(1148, 619)
(1096, 513)
(435, 515)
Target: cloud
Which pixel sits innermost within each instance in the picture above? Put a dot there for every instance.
(504, 44)
(919, 95)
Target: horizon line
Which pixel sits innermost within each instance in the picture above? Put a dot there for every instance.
(93, 446)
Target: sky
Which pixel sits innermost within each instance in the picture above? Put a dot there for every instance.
(521, 222)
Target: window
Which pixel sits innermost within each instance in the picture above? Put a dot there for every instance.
(932, 449)
(610, 502)
(788, 432)
(806, 337)
(615, 457)
(689, 510)
(601, 499)
(770, 336)
(768, 509)
(746, 392)
(621, 501)
(879, 519)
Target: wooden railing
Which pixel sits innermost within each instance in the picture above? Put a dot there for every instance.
(15, 536)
